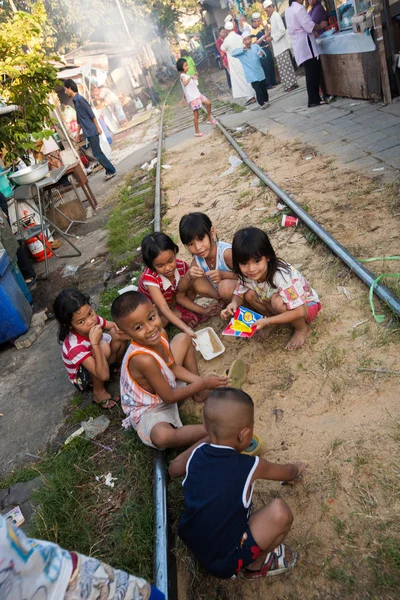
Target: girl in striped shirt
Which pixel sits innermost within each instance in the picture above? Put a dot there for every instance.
(87, 352)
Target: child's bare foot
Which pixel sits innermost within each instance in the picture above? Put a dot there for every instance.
(103, 398)
(299, 338)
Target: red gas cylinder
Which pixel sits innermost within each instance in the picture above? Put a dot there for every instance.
(35, 243)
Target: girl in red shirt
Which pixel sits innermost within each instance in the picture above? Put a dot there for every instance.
(159, 282)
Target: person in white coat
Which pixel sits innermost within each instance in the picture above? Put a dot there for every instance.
(281, 46)
(240, 87)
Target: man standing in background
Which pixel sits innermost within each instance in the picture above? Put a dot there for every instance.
(88, 123)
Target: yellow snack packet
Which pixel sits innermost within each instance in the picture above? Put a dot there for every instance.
(240, 326)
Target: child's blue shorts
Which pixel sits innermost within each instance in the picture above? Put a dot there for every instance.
(246, 552)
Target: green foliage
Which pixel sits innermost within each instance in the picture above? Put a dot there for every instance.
(28, 78)
(129, 222)
(72, 23)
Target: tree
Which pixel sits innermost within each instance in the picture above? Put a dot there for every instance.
(72, 23)
(27, 79)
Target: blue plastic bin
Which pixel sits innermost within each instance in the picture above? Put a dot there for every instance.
(15, 311)
(21, 281)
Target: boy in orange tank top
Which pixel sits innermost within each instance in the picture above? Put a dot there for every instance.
(152, 372)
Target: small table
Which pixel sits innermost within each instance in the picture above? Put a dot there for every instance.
(51, 179)
(81, 179)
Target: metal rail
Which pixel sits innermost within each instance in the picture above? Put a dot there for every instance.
(362, 272)
(161, 562)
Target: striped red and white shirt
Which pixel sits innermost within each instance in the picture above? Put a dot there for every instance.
(168, 288)
(77, 348)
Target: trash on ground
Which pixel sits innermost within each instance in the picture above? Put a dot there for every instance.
(133, 279)
(255, 182)
(308, 157)
(261, 208)
(15, 515)
(289, 221)
(1, 414)
(379, 169)
(73, 435)
(278, 412)
(234, 161)
(346, 292)
(92, 261)
(281, 206)
(108, 479)
(360, 323)
(138, 249)
(166, 166)
(93, 427)
(153, 162)
(145, 166)
(239, 128)
(122, 270)
(128, 288)
(69, 270)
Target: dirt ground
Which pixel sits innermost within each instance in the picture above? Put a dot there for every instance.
(324, 404)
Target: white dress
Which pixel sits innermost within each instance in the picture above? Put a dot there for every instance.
(240, 87)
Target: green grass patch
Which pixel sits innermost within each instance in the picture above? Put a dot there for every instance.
(130, 221)
(84, 413)
(106, 299)
(80, 512)
(386, 564)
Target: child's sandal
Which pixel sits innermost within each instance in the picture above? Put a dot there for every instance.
(109, 403)
(275, 563)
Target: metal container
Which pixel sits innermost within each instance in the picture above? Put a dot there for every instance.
(31, 174)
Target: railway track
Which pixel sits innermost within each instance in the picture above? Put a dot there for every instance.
(179, 119)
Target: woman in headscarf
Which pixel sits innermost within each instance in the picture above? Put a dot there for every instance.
(240, 87)
(301, 30)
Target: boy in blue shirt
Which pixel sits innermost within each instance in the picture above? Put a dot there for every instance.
(250, 56)
(216, 524)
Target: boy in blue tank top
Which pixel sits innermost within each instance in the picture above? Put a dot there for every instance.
(217, 524)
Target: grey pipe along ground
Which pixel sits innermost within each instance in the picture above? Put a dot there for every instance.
(160, 564)
(362, 272)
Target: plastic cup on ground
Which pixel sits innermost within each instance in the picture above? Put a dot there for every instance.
(289, 221)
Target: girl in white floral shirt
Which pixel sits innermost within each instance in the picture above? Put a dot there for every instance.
(271, 287)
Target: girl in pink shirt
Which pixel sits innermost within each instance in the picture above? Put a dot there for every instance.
(271, 287)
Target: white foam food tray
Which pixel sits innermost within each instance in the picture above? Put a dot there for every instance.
(208, 343)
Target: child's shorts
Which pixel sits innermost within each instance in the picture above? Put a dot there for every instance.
(313, 310)
(83, 381)
(197, 103)
(161, 413)
(246, 552)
